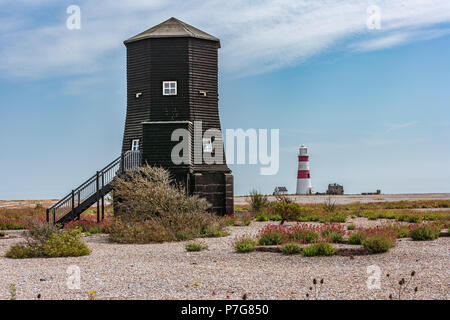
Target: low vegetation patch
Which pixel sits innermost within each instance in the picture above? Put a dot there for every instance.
(89, 225)
(195, 246)
(175, 227)
(230, 220)
(426, 232)
(43, 240)
(402, 211)
(245, 244)
(272, 235)
(318, 249)
(291, 248)
(377, 243)
(261, 217)
(16, 219)
(301, 233)
(356, 237)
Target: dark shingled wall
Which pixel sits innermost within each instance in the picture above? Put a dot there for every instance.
(193, 63)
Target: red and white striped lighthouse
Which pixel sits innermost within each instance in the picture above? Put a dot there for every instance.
(303, 176)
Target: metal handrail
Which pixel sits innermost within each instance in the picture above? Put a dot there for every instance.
(127, 161)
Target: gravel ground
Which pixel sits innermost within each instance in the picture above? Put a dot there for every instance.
(167, 271)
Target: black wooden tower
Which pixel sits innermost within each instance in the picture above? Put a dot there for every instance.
(172, 83)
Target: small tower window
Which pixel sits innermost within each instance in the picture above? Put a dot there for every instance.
(207, 145)
(169, 88)
(135, 145)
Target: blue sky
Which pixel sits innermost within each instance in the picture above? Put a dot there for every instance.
(372, 105)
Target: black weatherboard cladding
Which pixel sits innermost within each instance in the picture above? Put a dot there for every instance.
(161, 54)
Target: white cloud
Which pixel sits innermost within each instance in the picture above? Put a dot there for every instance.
(257, 35)
(398, 126)
(399, 38)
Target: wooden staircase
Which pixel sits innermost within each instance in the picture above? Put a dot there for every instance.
(92, 190)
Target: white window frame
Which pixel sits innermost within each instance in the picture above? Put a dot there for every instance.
(134, 143)
(169, 88)
(207, 145)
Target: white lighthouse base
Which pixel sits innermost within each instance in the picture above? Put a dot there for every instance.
(304, 186)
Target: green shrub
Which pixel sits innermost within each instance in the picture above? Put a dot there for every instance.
(195, 246)
(287, 211)
(216, 233)
(261, 217)
(245, 244)
(318, 249)
(329, 205)
(2, 234)
(336, 237)
(290, 248)
(246, 220)
(150, 192)
(356, 237)
(425, 232)
(351, 227)
(88, 227)
(414, 219)
(272, 238)
(402, 231)
(23, 251)
(276, 217)
(65, 244)
(257, 201)
(377, 244)
(338, 217)
(46, 241)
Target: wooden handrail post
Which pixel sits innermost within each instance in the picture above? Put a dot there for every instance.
(47, 215)
(98, 196)
(103, 208)
(122, 162)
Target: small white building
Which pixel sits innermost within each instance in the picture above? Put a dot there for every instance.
(280, 191)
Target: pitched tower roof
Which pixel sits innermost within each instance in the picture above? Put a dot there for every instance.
(173, 28)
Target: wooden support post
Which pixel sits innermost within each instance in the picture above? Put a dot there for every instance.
(47, 215)
(103, 197)
(54, 216)
(122, 163)
(79, 198)
(103, 208)
(73, 202)
(98, 197)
